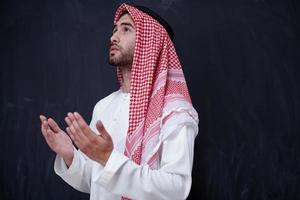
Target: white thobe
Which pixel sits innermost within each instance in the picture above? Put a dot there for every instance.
(121, 176)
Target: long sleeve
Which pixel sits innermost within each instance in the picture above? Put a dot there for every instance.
(78, 175)
(122, 176)
(82, 168)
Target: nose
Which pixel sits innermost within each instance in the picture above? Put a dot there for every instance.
(114, 38)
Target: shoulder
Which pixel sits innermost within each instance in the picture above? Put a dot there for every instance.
(105, 101)
(174, 120)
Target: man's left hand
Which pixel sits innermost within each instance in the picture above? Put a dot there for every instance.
(96, 147)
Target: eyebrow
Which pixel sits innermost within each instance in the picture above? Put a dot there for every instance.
(124, 24)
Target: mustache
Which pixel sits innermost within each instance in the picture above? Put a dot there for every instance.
(114, 46)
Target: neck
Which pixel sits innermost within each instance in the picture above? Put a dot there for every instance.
(126, 74)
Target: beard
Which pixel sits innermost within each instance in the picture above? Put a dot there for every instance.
(123, 57)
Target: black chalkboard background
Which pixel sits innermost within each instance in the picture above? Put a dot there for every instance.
(241, 61)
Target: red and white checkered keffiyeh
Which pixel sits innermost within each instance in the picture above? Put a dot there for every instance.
(158, 87)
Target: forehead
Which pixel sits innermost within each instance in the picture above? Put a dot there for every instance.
(125, 18)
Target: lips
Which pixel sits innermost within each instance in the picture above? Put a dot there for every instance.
(114, 48)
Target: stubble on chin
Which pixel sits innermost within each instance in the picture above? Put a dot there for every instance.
(123, 58)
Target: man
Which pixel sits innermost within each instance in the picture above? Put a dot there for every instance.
(140, 142)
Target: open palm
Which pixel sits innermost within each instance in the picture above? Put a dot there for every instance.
(56, 138)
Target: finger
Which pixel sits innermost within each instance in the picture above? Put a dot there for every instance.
(45, 134)
(80, 132)
(43, 130)
(103, 133)
(42, 118)
(45, 125)
(72, 128)
(77, 137)
(83, 125)
(53, 125)
(50, 136)
(75, 140)
(68, 121)
(71, 116)
(70, 134)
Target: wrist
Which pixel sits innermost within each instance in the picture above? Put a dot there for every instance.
(68, 158)
(105, 158)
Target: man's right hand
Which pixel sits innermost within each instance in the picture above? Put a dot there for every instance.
(57, 139)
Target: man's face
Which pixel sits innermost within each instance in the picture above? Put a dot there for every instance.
(122, 42)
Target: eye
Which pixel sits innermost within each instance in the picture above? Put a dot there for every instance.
(126, 29)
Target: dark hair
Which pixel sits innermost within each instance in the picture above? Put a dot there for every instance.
(163, 22)
(123, 13)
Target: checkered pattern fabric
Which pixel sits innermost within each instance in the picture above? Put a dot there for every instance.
(158, 87)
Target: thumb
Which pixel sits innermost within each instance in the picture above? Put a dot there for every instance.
(53, 125)
(102, 130)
